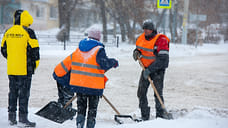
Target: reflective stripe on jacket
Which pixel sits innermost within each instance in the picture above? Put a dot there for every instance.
(147, 48)
(64, 67)
(86, 72)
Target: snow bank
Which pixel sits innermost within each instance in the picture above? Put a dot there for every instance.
(198, 118)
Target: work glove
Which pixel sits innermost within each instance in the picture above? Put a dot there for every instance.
(37, 63)
(146, 73)
(136, 54)
(115, 62)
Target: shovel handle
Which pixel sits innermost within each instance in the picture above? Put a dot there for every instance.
(117, 112)
(68, 102)
(152, 84)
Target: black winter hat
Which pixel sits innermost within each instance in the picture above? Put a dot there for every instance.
(148, 24)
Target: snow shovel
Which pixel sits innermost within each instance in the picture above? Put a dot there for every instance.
(116, 117)
(169, 115)
(56, 112)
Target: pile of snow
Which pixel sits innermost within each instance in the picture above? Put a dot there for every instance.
(198, 118)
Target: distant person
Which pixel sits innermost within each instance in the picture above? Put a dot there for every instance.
(87, 66)
(21, 49)
(153, 51)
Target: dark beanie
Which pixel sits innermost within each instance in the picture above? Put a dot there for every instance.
(148, 24)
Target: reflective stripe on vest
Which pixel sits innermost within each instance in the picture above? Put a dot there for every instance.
(86, 65)
(62, 68)
(163, 52)
(148, 57)
(88, 73)
(145, 49)
(85, 71)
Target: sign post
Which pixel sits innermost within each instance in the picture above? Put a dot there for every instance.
(164, 4)
(185, 22)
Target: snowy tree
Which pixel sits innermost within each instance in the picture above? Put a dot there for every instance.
(127, 13)
(65, 10)
(102, 5)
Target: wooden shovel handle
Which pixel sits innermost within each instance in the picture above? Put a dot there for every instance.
(117, 112)
(68, 102)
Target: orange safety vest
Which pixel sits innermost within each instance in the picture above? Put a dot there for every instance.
(62, 68)
(85, 71)
(147, 48)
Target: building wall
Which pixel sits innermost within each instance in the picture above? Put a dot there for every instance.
(52, 12)
(40, 11)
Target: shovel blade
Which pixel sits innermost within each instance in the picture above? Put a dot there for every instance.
(55, 112)
(116, 118)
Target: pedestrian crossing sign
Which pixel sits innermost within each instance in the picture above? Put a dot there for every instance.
(164, 4)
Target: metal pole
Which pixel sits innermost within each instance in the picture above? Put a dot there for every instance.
(1, 14)
(185, 22)
(164, 23)
(174, 22)
(117, 41)
(64, 40)
(197, 30)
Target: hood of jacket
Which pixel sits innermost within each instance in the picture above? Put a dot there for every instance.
(22, 17)
(87, 44)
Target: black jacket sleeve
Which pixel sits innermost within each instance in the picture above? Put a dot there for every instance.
(105, 62)
(34, 50)
(33, 54)
(4, 50)
(161, 62)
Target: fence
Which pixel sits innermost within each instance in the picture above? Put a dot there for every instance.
(50, 39)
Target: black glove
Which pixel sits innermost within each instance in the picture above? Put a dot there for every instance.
(115, 63)
(136, 54)
(146, 73)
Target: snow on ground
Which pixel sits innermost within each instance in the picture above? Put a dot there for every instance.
(196, 81)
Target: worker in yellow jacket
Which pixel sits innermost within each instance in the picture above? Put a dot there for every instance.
(21, 49)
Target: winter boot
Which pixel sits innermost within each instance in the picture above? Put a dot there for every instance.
(163, 114)
(90, 123)
(145, 112)
(80, 120)
(23, 120)
(12, 118)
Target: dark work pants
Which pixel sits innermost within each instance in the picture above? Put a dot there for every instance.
(64, 94)
(158, 79)
(19, 89)
(82, 101)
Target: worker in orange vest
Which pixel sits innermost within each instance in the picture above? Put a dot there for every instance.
(87, 66)
(153, 50)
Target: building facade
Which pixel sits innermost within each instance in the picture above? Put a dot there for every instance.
(44, 12)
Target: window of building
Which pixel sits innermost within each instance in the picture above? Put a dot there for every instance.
(39, 12)
(53, 12)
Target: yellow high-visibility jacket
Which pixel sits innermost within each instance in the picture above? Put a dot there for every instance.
(20, 46)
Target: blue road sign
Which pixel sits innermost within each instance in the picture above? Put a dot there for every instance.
(164, 4)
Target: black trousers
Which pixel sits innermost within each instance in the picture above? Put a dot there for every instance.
(19, 89)
(64, 94)
(82, 101)
(158, 79)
